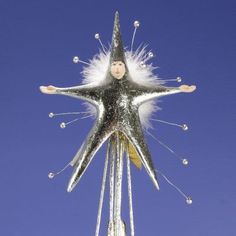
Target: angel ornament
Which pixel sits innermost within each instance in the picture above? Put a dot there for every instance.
(121, 86)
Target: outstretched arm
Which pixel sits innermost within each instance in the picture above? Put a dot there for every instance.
(187, 89)
(48, 89)
(155, 92)
(86, 92)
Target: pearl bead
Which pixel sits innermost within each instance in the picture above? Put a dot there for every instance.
(142, 64)
(136, 24)
(50, 114)
(189, 200)
(185, 161)
(63, 125)
(97, 36)
(184, 127)
(76, 59)
(179, 79)
(51, 175)
(150, 54)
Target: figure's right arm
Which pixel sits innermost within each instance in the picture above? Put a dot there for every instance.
(85, 92)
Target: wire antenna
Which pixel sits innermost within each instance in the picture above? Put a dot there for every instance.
(64, 124)
(183, 160)
(76, 60)
(51, 175)
(184, 126)
(188, 199)
(148, 57)
(136, 25)
(178, 79)
(97, 36)
(51, 114)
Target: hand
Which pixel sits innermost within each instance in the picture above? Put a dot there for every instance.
(187, 89)
(48, 89)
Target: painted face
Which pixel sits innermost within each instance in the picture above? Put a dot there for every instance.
(118, 69)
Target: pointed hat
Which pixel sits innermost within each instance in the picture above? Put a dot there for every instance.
(117, 50)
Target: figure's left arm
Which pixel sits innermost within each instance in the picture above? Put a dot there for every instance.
(163, 91)
(155, 92)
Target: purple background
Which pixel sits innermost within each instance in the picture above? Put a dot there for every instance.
(193, 39)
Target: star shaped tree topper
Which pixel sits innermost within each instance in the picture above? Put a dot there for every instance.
(117, 98)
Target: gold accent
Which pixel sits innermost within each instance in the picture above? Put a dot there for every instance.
(133, 155)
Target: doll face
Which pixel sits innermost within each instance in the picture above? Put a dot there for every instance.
(118, 69)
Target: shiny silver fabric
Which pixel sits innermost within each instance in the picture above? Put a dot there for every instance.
(117, 103)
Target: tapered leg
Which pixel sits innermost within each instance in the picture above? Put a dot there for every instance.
(97, 136)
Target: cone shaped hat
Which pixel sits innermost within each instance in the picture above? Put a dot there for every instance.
(117, 50)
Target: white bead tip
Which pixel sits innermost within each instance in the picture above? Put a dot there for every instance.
(51, 175)
(136, 24)
(142, 64)
(97, 36)
(179, 79)
(76, 59)
(51, 115)
(189, 200)
(185, 162)
(63, 125)
(150, 55)
(184, 127)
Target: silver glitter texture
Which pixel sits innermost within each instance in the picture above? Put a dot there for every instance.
(117, 103)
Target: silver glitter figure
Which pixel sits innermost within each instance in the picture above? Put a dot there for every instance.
(117, 100)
